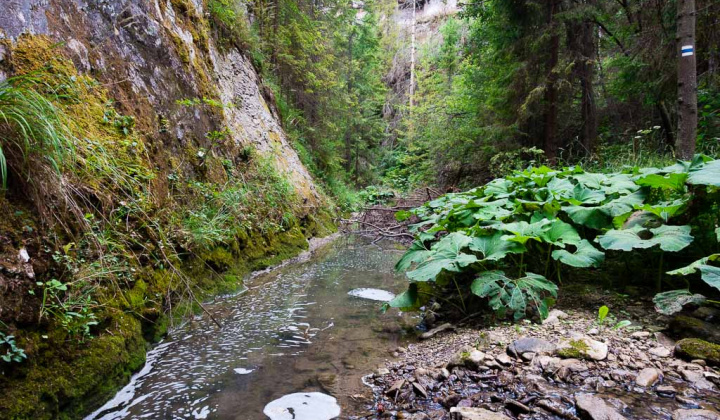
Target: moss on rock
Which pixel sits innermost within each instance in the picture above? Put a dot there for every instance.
(695, 348)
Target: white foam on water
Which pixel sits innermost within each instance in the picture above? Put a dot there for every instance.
(372, 294)
(243, 371)
(303, 406)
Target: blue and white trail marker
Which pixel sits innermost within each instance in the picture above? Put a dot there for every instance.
(687, 50)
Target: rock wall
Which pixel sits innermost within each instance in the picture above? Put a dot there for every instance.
(150, 54)
(199, 112)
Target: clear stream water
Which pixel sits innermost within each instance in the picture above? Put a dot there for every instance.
(295, 329)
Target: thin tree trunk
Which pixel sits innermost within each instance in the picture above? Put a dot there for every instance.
(666, 124)
(551, 89)
(687, 80)
(348, 129)
(587, 78)
(412, 57)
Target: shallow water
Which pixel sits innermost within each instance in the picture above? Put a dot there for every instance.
(295, 329)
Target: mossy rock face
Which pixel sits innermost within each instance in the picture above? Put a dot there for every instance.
(694, 348)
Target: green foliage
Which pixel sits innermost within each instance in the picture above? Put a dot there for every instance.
(13, 353)
(540, 214)
(73, 309)
(32, 128)
(514, 295)
(673, 301)
(603, 313)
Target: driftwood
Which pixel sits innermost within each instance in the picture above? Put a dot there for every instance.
(379, 221)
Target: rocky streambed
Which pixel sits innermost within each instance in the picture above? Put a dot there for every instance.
(570, 367)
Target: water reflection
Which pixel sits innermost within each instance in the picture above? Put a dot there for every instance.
(295, 329)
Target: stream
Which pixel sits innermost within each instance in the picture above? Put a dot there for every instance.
(294, 329)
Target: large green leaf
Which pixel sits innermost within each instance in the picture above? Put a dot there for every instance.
(494, 247)
(514, 295)
(670, 302)
(560, 233)
(591, 180)
(415, 253)
(689, 269)
(620, 184)
(711, 275)
(583, 195)
(416, 296)
(706, 174)
(498, 188)
(445, 254)
(670, 238)
(560, 187)
(524, 231)
(592, 217)
(584, 256)
(671, 181)
(665, 210)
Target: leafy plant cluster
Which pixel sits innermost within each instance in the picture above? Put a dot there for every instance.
(13, 353)
(484, 242)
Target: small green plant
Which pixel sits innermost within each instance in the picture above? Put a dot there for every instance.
(72, 310)
(203, 101)
(13, 353)
(602, 314)
(123, 123)
(622, 324)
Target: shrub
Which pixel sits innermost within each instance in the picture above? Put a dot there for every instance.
(483, 241)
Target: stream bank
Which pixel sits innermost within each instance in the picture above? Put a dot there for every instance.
(570, 367)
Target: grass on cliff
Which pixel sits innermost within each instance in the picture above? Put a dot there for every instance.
(32, 129)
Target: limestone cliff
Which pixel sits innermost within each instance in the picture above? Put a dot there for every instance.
(180, 180)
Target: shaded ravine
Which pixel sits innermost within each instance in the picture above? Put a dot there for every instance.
(295, 329)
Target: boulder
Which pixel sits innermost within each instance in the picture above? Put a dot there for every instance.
(474, 413)
(695, 414)
(694, 348)
(592, 407)
(530, 345)
(582, 348)
(660, 351)
(690, 327)
(647, 377)
(468, 357)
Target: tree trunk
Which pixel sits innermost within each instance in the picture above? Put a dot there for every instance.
(551, 89)
(412, 57)
(587, 77)
(666, 125)
(687, 80)
(349, 128)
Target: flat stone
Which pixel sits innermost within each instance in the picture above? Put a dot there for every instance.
(660, 351)
(664, 340)
(640, 335)
(695, 414)
(595, 408)
(554, 317)
(530, 345)
(647, 377)
(697, 379)
(582, 347)
(503, 359)
(475, 413)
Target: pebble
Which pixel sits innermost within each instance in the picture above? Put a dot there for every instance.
(647, 377)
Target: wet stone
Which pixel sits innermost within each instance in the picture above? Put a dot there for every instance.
(695, 414)
(593, 407)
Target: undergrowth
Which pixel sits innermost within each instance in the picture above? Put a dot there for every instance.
(511, 241)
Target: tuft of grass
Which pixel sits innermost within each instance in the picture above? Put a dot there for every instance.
(31, 127)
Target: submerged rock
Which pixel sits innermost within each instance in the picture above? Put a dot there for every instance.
(694, 348)
(695, 414)
(303, 406)
(474, 413)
